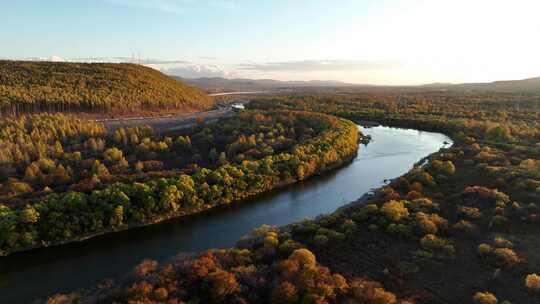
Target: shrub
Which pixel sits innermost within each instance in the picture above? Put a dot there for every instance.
(222, 284)
(394, 210)
(425, 226)
(366, 212)
(61, 299)
(365, 291)
(423, 177)
(285, 293)
(149, 165)
(501, 197)
(485, 194)
(470, 212)
(499, 210)
(304, 257)
(484, 249)
(306, 227)
(424, 254)
(388, 194)
(348, 226)
(500, 204)
(498, 221)
(244, 271)
(320, 240)
(448, 167)
(506, 256)
(287, 247)
(427, 223)
(200, 267)
(433, 217)
(257, 236)
(400, 183)
(161, 294)
(271, 240)
(340, 283)
(145, 267)
(413, 195)
(501, 242)
(530, 164)
(399, 229)
(416, 186)
(141, 289)
(532, 282)
(381, 296)
(444, 167)
(465, 226)
(331, 234)
(373, 227)
(484, 298)
(422, 204)
(433, 243)
(20, 187)
(29, 215)
(329, 220)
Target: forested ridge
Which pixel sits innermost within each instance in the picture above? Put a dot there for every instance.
(461, 228)
(66, 179)
(33, 87)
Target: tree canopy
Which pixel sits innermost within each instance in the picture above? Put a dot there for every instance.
(31, 87)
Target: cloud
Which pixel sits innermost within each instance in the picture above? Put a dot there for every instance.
(172, 6)
(146, 61)
(157, 61)
(182, 68)
(53, 58)
(128, 60)
(195, 71)
(319, 65)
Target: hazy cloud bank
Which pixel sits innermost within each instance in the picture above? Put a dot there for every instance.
(144, 61)
(194, 71)
(201, 66)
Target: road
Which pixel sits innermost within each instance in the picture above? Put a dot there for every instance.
(166, 123)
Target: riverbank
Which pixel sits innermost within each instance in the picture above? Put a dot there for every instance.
(368, 196)
(315, 156)
(382, 150)
(466, 212)
(391, 153)
(248, 197)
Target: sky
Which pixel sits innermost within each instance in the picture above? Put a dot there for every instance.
(357, 41)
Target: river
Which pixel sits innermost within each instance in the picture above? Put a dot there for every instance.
(36, 274)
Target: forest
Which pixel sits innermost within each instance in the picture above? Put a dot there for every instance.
(64, 178)
(461, 228)
(100, 88)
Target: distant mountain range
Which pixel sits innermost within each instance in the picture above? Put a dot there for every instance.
(529, 85)
(217, 85)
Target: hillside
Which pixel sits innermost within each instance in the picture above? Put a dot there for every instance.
(525, 86)
(530, 85)
(27, 86)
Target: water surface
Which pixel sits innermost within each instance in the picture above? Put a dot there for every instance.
(37, 274)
